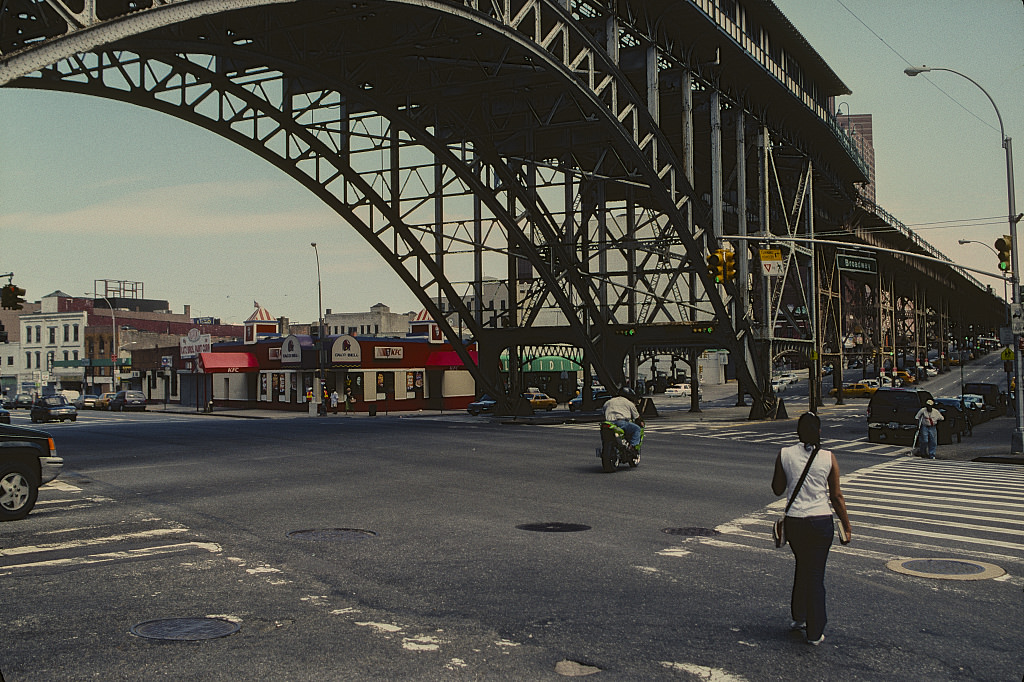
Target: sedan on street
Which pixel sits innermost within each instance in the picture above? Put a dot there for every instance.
(485, 404)
(128, 400)
(103, 401)
(53, 408)
(87, 401)
(856, 390)
(540, 401)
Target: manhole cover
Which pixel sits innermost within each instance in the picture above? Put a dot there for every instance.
(946, 569)
(691, 531)
(554, 527)
(332, 534)
(185, 629)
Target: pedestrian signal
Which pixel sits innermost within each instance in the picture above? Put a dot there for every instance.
(1004, 245)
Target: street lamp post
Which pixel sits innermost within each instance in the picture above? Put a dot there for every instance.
(113, 341)
(319, 389)
(1017, 440)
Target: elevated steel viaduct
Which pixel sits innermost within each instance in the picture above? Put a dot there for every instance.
(584, 156)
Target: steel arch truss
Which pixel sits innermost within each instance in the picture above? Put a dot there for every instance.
(556, 176)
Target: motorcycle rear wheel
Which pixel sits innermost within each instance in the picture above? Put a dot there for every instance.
(609, 459)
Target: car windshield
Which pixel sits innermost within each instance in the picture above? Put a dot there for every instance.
(135, 395)
(54, 400)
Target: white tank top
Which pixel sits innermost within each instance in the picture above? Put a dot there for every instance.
(813, 498)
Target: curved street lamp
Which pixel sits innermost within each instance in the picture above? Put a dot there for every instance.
(322, 410)
(113, 340)
(1017, 440)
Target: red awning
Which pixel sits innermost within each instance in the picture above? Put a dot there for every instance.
(232, 363)
(448, 358)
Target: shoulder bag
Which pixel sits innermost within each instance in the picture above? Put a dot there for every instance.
(779, 527)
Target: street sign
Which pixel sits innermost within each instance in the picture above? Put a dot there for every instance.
(1017, 318)
(1006, 355)
(867, 266)
(771, 262)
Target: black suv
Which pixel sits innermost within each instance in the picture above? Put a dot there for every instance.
(28, 459)
(891, 414)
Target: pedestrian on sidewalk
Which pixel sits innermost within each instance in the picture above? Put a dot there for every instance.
(813, 475)
(334, 401)
(927, 419)
(349, 399)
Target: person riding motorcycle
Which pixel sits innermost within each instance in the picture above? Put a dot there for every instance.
(621, 411)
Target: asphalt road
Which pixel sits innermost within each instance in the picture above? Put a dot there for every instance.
(430, 576)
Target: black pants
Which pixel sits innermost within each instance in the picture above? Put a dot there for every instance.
(810, 538)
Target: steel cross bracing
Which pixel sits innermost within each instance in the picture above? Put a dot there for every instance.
(245, 89)
(561, 149)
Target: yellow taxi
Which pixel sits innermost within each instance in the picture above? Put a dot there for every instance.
(905, 376)
(103, 402)
(540, 401)
(856, 390)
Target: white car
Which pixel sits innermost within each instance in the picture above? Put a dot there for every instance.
(677, 390)
(931, 371)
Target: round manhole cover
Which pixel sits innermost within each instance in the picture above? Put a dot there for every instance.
(691, 531)
(554, 527)
(946, 569)
(185, 629)
(333, 534)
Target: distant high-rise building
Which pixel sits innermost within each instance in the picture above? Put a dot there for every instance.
(859, 128)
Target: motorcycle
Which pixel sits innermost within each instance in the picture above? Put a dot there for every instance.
(615, 449)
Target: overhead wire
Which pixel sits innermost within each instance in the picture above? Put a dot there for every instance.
(909, 63)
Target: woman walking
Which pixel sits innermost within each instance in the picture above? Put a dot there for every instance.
(810, 478)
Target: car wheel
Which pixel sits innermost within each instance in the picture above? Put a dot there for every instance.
(18, 491)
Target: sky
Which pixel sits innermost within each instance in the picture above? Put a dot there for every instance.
(93, 190)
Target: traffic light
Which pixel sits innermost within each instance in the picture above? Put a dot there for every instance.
(716, 265)
(626, 331)
(702, 328)
(10, 297)
(1004, 245)
(729, 267)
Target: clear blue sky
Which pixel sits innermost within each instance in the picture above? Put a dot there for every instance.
(91, 189)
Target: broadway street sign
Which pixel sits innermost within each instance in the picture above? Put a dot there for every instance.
(867, 266)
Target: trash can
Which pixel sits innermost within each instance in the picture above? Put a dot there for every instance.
(373, 409)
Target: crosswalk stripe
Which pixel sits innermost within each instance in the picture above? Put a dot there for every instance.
(885, 503)
(944, 536)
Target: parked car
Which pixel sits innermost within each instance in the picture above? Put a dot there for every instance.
(882, 382)
(123, 401)
(973, 402)
(23, 400)
(682, 390)
(598, 396)
(994, 399)
(5, 416)
(856, 390)
(87, 401)
(905, 376)
(956, 422)
(484, 404)
(891, 414)
(53, 408)
(28, 459)
(103, 401)
(540, 401)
